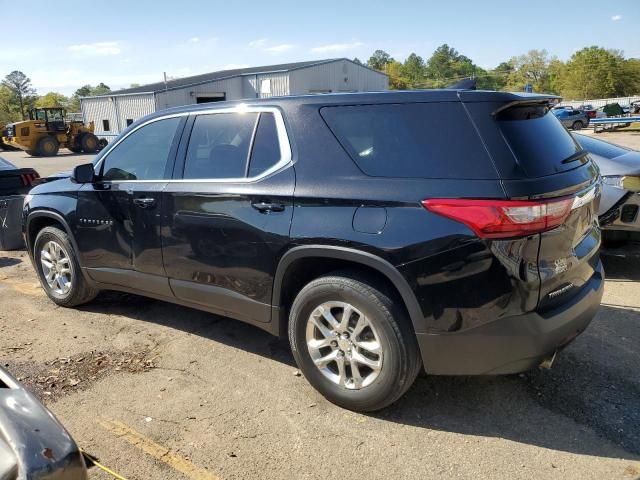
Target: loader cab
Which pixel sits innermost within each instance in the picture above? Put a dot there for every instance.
(53, 118)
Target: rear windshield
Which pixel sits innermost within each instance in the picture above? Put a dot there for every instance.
(600, 147)
(425, 140)
(542, 146)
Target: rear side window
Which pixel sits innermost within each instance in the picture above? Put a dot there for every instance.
(538, 140)
(266, 147)
(219, 146)
(426, 140)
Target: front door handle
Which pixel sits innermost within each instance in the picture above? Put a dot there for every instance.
(265, 207)
(144, 202)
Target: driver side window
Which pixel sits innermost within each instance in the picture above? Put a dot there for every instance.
(143, 155)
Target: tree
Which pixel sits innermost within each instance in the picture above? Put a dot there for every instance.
(20, 87)
(413, 69)
(595, 72)
(446, 66)
(397, 81)
(357, 61)
(53, 99)
(379, 60)
(531, 68)
(100, 89)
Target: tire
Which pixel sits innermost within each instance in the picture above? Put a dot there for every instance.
(577, 125)
(79, 291)
(89, 143)
(102, 143)
(47, 146)
(397, 364)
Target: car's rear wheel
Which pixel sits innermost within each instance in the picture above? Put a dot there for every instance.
(577, 125)
(58, 269)
(353, 342)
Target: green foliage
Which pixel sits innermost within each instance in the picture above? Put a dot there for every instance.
(595, 72)
(397, 80)
(379, 60)
(531, 68)
(53, 99)
(22, 94)
(86, 91)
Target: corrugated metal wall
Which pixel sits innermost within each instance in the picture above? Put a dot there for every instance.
(231, 87)
(339, 76)
(116, 110)
(266, 85)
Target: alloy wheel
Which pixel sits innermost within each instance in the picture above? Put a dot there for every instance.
(56, 267)
(344, 345)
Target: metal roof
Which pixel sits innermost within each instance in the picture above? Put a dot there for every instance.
(223, 74)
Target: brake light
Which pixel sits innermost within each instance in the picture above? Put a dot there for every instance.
(503, 218)
(29, 178)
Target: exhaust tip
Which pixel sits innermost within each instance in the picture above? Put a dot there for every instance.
(548, 361)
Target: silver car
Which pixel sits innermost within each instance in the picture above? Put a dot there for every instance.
(619, 211)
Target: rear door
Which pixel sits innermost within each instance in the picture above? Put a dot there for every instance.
(542, 160)
(228, 212)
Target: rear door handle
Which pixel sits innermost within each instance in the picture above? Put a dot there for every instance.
(265, 207)
(144, 202)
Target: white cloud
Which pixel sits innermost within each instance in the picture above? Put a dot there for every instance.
(194, 39)
(278, 49)
(336, 47)
(261, 42)
(99, 49)
(615, 18)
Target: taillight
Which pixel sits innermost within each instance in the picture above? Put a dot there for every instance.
(29, 178)
(503, 218)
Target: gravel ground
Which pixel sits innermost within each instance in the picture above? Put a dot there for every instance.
(160, 391)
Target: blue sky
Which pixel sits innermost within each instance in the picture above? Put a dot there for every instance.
(136, 41)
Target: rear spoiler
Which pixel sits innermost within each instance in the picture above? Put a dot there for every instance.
(507, 99)
(549, 101)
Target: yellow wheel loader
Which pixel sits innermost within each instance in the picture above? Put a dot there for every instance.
(47, 130)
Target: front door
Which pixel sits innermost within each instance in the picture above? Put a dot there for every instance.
(228, 219)
(119, 215)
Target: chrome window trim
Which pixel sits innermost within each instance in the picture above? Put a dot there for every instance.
(286, 157)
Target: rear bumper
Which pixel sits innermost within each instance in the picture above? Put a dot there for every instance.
(512, 344)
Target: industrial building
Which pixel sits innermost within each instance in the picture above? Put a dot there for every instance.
(112, 113)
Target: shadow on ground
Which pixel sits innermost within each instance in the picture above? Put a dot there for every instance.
(594, 382)
(9, 261)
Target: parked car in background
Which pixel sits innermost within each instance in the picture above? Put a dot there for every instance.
(573, 119)
(450, 230)
(14, 180)
(589, 110)
(33, 443)
(620, 203)
(635, 107)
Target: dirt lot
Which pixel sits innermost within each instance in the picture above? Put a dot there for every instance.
(158, 391)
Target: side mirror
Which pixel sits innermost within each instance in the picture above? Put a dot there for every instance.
(83, 173)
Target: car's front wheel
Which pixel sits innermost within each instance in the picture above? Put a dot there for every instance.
(577, 125)
(353, 342)
(58, 269)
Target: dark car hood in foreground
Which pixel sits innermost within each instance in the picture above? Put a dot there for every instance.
(33, 443)
(627, 164)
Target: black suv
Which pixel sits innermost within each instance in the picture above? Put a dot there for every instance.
(384, 232)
